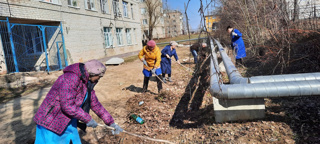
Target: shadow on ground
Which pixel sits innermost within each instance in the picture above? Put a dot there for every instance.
(189, 105)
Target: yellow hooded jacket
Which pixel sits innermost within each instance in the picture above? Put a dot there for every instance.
(152, 58)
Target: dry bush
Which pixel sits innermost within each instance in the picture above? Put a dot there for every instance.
(272, 38)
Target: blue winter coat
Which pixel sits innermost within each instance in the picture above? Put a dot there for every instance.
(238, 44)
(165, 62)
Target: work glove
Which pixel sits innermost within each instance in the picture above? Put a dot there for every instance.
(117, 128)
(153, 71)
(234, 34)
(92, 123)
(168, 56)
(145, 62)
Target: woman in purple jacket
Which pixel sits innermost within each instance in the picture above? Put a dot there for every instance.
(68, 101)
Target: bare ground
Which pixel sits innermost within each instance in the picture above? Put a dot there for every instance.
(173, 115)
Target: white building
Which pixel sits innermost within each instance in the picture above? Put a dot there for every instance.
(92, 29)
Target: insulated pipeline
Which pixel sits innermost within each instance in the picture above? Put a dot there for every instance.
(308, 87)
(236, 78)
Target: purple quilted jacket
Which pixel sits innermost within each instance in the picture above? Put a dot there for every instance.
(64, 99)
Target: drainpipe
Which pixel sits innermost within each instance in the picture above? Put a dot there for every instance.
(236, 78)
(258, 90)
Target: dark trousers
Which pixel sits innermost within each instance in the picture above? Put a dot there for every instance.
(146, 82)
(239, 61)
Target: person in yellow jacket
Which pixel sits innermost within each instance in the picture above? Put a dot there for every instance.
(151, 64)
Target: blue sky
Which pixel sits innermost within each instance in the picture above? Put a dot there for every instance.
(193, 15)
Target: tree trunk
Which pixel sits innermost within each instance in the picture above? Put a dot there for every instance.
(150, 33)
(295, 11)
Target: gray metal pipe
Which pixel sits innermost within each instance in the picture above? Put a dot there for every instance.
(233, 73)
(236, 78)
(259, 90)
(288, 77)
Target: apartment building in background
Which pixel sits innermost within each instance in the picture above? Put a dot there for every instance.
(211, 22)
(159, 29)
(173, 23)
(50, 34)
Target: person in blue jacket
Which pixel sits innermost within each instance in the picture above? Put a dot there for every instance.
(237, 44)
(166, 54)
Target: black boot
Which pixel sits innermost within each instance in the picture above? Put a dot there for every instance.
(159, 83)
(145, 84)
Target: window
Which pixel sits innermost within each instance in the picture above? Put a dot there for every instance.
(163, 31)
(143, 11)
(142, 0)
(116, 8)
(108, 37)
(52, 1)
(174, 21)
(104, 6)
(119, 36)
(89, 4)
(146, 32)
(128, 34)
(132, 11)
(134, 36)
(145, 21)
(125, 9)
(72, 3)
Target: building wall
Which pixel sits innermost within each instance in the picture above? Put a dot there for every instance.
(3, 67)
(173, 23)
(158, 30)
(211, 22)
(83, 28)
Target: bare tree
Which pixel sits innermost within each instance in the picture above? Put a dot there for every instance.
(154, 12)
(296, 11)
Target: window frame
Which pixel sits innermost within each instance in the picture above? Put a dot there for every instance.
(52, 1)
(116, 8)
(108, 34)
(143, 11)
(145, 21)
(72, 3)
(125, 9)
(134, 36)
(119, 37)
(92, 5)
(132, 11)
(104, 6)
(128, 36)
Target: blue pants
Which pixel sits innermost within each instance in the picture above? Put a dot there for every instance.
(147, 73)
(195, 55)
